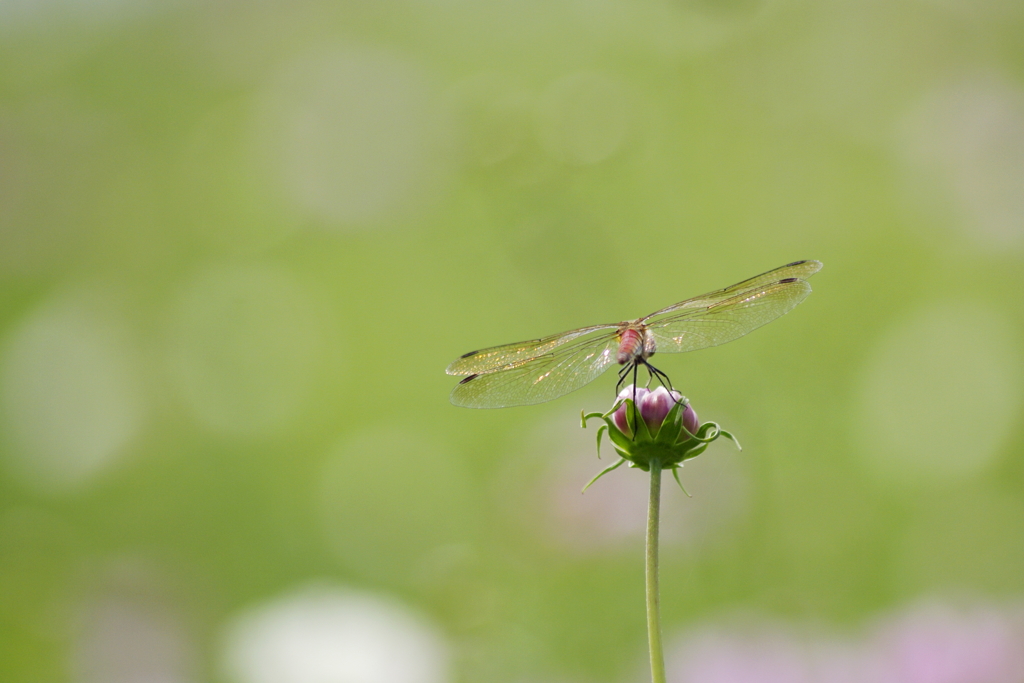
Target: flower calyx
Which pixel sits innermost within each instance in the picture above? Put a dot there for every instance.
(659, 425)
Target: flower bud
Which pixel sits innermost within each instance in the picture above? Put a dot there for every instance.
(670, 431)
(659, 403)
(690, 421)
(619, 417)
(655, 406)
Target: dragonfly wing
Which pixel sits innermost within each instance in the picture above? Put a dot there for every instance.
(539, 380)
(797, 269)
(727, 319)
(508, 356)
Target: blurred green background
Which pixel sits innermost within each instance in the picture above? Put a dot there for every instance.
(240, 242)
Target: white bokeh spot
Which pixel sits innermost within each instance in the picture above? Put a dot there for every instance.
(244, 345)
(963, 148)
(69, 393)
(357, 135)
(324, 634)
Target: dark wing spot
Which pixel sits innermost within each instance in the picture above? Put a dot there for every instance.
(788, 280)
(467, 379)
(467, 355)
(795, 263)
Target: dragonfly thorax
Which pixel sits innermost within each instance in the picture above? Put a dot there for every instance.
(635, 343)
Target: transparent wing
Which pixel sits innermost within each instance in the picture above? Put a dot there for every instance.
(797, 269)
(727, 319)
(540, 379)
(509, 356)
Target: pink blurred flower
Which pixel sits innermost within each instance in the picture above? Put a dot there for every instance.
(935, 643)
(767, 653)
(929, 643)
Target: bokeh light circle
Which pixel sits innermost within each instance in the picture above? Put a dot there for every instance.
(357, 135)
(326, 634)
(69, 393)
(939, 396)
(243, 347)
(963, 148)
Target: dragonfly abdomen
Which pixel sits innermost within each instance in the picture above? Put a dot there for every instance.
(633, 344)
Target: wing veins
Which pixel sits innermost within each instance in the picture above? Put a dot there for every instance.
(710, 308)
(798, 269)
(511, 356)
(565, 371)
(753, 308)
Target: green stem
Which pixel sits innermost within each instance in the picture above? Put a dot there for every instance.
(653, 599)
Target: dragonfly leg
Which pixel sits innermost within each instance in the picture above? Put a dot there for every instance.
(662, 377)
(623, 374)
(636, 417)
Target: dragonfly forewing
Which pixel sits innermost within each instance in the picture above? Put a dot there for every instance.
(508, 356)
(798, 269)
(540, 380)
(727, 319)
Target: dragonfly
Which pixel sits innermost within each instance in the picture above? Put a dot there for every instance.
(540, 370)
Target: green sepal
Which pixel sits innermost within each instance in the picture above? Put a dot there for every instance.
(707, 432)
(636, 424)
(621, 441)
(684, 433)
(603, 472)
(673, 424)
(675, 473)
(732, 438)
(600, 432)
(694, 452)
